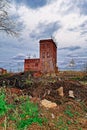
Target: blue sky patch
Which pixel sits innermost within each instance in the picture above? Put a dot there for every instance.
(34, 4)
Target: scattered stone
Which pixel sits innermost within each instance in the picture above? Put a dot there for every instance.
(71, 94)
(60, 91)
(86, 115)
(48, 92)
(52, 115)
(59, 79)
(4, 84)
(48, 104)
(83, 122)
(78, 100)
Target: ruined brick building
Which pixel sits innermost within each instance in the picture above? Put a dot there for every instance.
(3, 71)
(47, 61)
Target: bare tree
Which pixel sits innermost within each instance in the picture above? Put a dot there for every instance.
(6, 23)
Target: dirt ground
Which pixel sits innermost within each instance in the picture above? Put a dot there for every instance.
(70, 113)
(49, 90)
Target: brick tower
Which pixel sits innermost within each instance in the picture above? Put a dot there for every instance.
(47, 61)
(48, 56)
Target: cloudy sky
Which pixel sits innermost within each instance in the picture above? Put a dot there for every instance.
(63, 20)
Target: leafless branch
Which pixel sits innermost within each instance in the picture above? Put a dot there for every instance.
(6, 23)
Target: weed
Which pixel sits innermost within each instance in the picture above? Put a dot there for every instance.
(80, 129)
(61, 124)
(69, 113)
(69, 122)
(5, 123)
(26, 114)
(29, 108)
(4, 107)
(64, 123)
(77, 114)
(84, 107)
(22, 124)
(28, 82)
(23, 115)
(75, 122)
(29, 114)
(60, 121)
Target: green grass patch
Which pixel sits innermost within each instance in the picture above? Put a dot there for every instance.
(4, 107)
(68, 111)
(61, 124)
(26, 114)
(22, 115)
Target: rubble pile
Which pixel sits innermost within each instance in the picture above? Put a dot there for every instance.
(52, 89)
(62, 102)
(58, 91)
(14, 80)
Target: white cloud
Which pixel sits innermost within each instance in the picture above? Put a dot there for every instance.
(67, 12)
(59, 10)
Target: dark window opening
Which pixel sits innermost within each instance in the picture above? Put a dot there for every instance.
(48, 55)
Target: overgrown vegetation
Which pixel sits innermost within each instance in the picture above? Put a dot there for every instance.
(17, 112)
(69, 120)
(26, 114)
(22, 115)
(3, 105)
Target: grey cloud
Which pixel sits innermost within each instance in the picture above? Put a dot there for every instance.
(1, 62)
(68, 5)
(72, 29)
(0, 46)
(20, 39)
(82, 4)
(71, 48)
(83, 33)
(45, 30)
(12, 43)
(84, 24)
(72, 55)
(83, 28)
(72, 5)
(19, 57)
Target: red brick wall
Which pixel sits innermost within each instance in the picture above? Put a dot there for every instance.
(48, 55)
(48, 58)
(32, 65)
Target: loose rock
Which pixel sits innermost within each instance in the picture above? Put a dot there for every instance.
(48, 104)
(60, 91)
(71, 94)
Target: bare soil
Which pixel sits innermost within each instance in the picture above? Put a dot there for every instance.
(37, 89)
